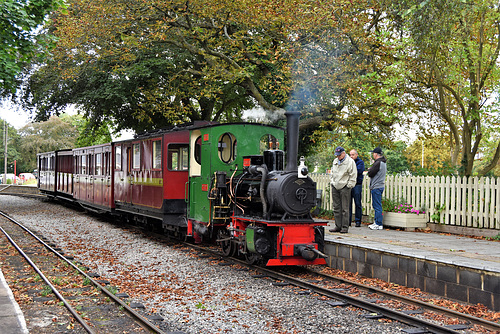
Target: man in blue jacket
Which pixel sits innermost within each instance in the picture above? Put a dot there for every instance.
(376, 173)
(356, 191)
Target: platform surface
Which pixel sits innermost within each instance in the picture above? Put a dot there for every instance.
(11, 317)
(449, 249)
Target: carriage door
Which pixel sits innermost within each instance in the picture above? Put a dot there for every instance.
(106, 176)
(81, 175)
(90, 176)
(129, 177)
(198, 185)
(98, 177)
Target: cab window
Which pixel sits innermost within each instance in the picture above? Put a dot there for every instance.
(227, 147)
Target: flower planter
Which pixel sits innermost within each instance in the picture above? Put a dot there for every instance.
(405, 220)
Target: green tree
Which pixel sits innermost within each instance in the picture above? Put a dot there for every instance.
(50, 135)
(436, 156)
(20, 39)
(443, 66)
(397, 162)
(87, 134)
(150, 64)
(327, 141)
(12, 148)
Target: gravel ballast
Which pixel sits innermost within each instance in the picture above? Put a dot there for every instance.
(192, 294)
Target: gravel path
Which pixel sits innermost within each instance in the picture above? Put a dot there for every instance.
(193, 294)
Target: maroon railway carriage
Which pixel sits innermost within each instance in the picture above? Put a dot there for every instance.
(143, 178)
(55, 172)
(150, 176)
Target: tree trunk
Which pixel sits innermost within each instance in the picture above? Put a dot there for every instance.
(493, 162)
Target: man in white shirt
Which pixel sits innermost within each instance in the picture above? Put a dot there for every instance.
(342, 180)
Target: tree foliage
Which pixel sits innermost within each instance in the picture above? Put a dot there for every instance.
(328, 140)
(50, 135)
(149, 64)
(87, 135)
(444, 68)
(435, 152)
(348, 66)
(12, 148)
(20, 40)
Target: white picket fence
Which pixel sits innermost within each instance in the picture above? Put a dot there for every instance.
(464, 201)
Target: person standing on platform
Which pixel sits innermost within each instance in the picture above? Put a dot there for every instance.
(356, 191)
(342, 180)
(377, 183)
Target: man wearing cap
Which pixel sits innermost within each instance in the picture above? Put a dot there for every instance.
(342, 179)
(376, 173)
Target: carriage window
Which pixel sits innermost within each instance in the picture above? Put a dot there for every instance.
(268, 142)
(118, 157)
(178, 157)
(137, 156)
(107, 163)
(76, 163)
(98, 164)
(157, 154)
(90, 164)
(227, 147)
(84, 164)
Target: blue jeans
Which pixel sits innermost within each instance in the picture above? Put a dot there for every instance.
(358, 209)
(377, 204)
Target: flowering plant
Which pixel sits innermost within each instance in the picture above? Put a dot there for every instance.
(399, 206)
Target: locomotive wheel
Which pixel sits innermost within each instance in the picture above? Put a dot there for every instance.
(227, 246)
(252, 258)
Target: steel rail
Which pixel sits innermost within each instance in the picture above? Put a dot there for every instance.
(358, 302)
(431, 307)
(463, 316)
(363, 304)
(46, 280)
(145, 323)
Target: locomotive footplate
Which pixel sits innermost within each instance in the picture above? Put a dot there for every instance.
(280, 222)
(280, 243)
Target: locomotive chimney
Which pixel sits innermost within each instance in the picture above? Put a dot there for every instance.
(292, 140)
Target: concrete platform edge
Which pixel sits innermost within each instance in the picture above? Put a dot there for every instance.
(429, 275)
(18, 314)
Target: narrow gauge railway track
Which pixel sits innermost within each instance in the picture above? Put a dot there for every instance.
(21, 191)
(372, 300)
(95, 308)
